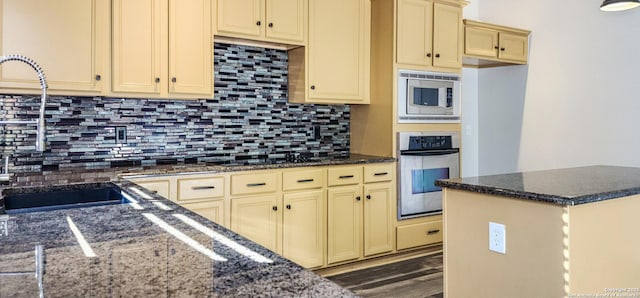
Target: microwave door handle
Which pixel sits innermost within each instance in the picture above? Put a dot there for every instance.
(429, 152)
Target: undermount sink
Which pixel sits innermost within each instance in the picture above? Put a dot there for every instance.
(23, 200)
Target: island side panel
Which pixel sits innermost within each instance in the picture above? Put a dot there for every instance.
(604, 249)
(533, 263)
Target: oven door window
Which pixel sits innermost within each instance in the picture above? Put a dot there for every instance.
(423, 180)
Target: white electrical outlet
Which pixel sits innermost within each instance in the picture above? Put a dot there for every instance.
(497, 238)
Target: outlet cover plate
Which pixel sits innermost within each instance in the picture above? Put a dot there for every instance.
(497, 238)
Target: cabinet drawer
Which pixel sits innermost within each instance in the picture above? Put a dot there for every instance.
(378, 173)
(200, 188)
(161, 187)
(306, 179)
(242, 184)
(344, 176)
(419, 234)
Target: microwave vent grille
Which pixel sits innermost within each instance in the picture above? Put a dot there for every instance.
(429, 76)
(430, 118)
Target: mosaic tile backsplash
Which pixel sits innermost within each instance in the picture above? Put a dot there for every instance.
(248, 118)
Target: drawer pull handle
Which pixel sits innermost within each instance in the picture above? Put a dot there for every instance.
(155, 192)
(202, 187)
(256, 184)
(431, 232)
(346, 177)
(305, 180)
(380, 174)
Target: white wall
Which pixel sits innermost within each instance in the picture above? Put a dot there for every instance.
(576, 103)
(470, 137)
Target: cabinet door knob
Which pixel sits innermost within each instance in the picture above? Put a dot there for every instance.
(157, 80)
(496, 47)
(258, 23)
(270, 25)
(358, 198)
(98, 77)
(502, 49)
(275, 208)
(313, 87)
(437, 55)
(173, 80)
(368, 197)
(429, 55)
(289, 206)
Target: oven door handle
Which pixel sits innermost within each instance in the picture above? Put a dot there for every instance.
(429, 152)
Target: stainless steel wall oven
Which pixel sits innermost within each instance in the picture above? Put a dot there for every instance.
(425, 157)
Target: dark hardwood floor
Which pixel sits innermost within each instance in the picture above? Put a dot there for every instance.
(418, 277)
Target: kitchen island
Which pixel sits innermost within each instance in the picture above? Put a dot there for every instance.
(148, 247)
(568, 233)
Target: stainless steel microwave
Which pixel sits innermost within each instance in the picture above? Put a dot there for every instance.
(428, 97)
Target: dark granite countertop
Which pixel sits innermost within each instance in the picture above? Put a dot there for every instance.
(152, 248)
(572, 186)
(82, 175)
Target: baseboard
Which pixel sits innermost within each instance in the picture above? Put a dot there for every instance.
(383, 260)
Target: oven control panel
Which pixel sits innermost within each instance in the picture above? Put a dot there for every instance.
(430, 142)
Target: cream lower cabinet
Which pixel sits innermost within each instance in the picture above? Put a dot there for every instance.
(361, 215)
(303, 227)
(290, 223)
(69, 39)
(257, 218)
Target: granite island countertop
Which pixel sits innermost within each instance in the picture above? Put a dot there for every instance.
(152, 247)
(568, 187)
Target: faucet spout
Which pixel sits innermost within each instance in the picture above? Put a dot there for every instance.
(40, 139)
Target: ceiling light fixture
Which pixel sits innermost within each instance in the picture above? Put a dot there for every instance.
(618, 5)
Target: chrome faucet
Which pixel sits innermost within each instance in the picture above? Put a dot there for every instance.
(4, 176)
(40, 137)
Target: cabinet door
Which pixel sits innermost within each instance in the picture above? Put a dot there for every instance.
(211, 210)
(257, 219)
(240, 17)
(515, 47)
(339, 33)
(286, 20)
(344, 214)
(303, 228)
(447, 33)
(190, 47)
(67, 38)
(378, 218)
(480, 42)
(139, 45)
(415, 27)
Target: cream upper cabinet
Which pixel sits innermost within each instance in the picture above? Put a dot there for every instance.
(447, 35)
(243, 17)
(162, 48)
(334, 68)
(303, 227)
(495, 43)
(415, 30)
(429, 34)
(281, 21)
(69, 39)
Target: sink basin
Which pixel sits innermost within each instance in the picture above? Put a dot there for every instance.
(23, 200)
